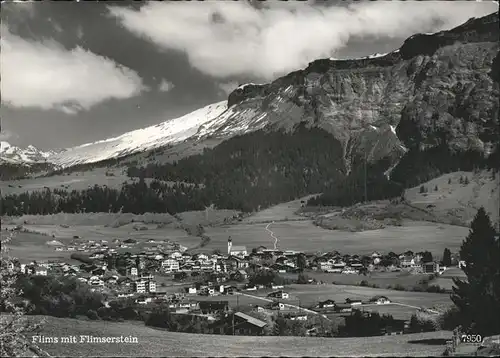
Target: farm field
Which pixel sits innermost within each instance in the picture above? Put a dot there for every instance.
(309, 295)
(304, 235)
(152, 342)
(381, 279)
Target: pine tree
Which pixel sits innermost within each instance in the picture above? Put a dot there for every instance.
(449, 181)
(466, 181)
(427, 257)
(301, 262)
(436, 188)
(447, 257)
(478, 298)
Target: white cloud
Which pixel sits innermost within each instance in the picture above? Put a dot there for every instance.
(6, 134)
(47, 76)
(226, 39)
(165, 86)
(227, 87)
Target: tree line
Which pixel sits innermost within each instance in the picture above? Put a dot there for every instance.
(253, 171)
(246, 173)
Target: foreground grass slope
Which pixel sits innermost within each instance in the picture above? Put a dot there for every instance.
(152, 342)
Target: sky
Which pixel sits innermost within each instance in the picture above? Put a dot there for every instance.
(78, 72)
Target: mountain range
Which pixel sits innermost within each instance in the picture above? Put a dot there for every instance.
(12, 154)
(435, 90)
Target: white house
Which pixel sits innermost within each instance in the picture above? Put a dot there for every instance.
(325, 265)
(170, 265)
(279, 294)
(380, 300)
(349, 270)
(140, 286)
(96, 281)
(202, 257)
(144, 300)
(40, 271)
(277, 306)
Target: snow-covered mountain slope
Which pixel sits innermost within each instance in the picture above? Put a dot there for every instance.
(167, 133)
(15, 155)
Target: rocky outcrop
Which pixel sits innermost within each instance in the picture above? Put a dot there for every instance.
(436, 89)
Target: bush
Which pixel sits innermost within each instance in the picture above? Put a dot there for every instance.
(449, 319)
(363, 283)
(91, 314)
(435, 289)
(419, 323)
(417, 289)
(399, 287)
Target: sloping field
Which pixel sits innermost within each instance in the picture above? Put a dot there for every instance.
(71, 181)
(153, 342)
(304, 235)
(27, 246)
(208, 217)
(457, 199)
(105, 219)
(281, 212)
(445, 280)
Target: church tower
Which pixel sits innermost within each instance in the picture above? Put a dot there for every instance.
(229, 245)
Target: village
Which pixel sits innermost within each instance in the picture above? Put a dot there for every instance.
(205, 284)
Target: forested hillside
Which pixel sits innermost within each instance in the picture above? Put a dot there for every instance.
(247, 172)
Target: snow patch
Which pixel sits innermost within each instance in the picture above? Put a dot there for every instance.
(248, 84)
(375, 55)
(393, 129)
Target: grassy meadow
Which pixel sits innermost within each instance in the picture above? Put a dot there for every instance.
(153, 342)
(304, 235)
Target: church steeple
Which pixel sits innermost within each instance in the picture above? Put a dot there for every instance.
(229, 245)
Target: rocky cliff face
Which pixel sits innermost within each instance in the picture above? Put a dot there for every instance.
(436, 89)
